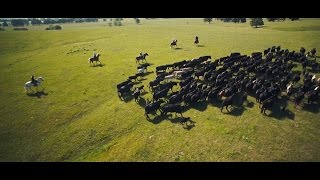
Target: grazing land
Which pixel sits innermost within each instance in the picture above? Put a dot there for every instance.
(79, 116)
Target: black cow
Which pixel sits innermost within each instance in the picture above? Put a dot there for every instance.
(152, 107)
(136, 94)
(176, 108)
(267, 104)
(298, 99)
(227, 102)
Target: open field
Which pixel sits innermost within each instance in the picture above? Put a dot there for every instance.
(80, 117)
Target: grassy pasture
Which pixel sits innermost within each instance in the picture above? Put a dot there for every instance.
(79, 117)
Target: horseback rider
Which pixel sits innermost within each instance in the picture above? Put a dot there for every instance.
(33, 81)
(94, 55)
(174, 40)
(196, 39)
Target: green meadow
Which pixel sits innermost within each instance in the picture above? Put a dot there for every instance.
(79, 116)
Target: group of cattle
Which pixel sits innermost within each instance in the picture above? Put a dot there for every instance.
(262, 75)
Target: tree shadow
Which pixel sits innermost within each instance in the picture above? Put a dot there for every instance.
(201, 45)
(37, 94)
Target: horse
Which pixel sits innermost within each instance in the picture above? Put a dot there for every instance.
(141, 57)
(174, 43)
(196, 41)
(95, 58)
(29, 84)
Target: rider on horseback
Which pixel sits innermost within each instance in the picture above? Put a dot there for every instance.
(33, 81)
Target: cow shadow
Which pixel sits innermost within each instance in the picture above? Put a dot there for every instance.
(142, 102)
(200, 45)
(313, 70)
(200, 106)
(235, 111)
(177, 48)
(314, 108)
(142, 79)
(37, 94)
(136, 82)
(279, 110)
(158, 119)
(147, 73)
(215, 103)
(249, 104)
(187, 123)
(127, 98)
(281, 114)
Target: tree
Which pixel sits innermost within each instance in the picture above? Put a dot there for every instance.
(35, 22)
(293, 19)
(19, 22)
(256, 22)
(137, 20)
(207, 20)
(117, 22)
(5, 24)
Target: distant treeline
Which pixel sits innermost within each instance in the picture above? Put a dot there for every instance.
(38, 21)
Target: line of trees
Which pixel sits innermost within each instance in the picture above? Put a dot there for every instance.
(38, 21)
(254, 22)
(234, 20)
(281, 19)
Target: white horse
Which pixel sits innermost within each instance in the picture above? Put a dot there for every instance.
(29, 84)
(289, 88)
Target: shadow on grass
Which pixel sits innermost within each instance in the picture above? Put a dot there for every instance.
(37, 94)
(249, 104)
(157, 119)
(200, 45)
(186, 122)
(279, 110)
(147, 73)
(177, 48)
(200, 106)
(98, 65)
(313, 107)
(142, 102)
(127, 98)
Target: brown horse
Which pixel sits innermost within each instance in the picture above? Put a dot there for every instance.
(94, 58)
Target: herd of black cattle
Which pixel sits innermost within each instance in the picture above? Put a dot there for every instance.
(262, 75)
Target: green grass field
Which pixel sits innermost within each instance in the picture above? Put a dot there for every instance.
(81, 118)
